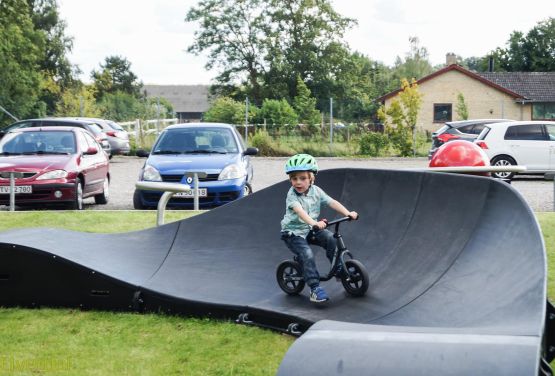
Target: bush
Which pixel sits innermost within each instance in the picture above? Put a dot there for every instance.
(373, 143)
(267, 146)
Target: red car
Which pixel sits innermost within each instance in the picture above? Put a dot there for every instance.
(53, 165)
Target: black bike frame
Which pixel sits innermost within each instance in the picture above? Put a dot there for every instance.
(340, 251)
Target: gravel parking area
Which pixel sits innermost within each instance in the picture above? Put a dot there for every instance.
(267, 171)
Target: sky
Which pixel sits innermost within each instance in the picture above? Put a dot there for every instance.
(154, 37)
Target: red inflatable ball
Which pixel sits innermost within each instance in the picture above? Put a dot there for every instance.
(460, 153)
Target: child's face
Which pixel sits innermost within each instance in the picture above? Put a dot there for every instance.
(300, 181)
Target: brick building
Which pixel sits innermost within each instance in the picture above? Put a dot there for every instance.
(509, 95)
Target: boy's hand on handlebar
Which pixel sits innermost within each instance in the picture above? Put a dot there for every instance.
(320, 225)
(353, 215)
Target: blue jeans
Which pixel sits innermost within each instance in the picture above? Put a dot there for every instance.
(300, 247)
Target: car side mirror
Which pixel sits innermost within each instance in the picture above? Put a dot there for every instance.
(141, 153)
(91, 150)
(251, 151)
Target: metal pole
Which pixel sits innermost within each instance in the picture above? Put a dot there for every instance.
(12, 192)
(157, 115)
(246, 119)
(414, 141)
(195, 188)
(331, 122)
(7, 113)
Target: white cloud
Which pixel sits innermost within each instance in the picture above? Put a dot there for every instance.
(154, 36)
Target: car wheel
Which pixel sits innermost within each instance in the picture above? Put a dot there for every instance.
(503, 161)
(77, 203)
(102, 198)
(247, 190)
(137, 203)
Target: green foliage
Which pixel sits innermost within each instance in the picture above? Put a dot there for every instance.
(233, 34)
(267, 146)
(115, 76)
(416, 64)
(278, 113)
(304, 104)
(20, 55)
(78, 101)
(533, 52)
(120, 106)
(373, 143)
(400, 118)
(53, 62)
(226, 110)
(461, 109)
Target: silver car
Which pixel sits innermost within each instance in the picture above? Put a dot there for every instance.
(117, 136)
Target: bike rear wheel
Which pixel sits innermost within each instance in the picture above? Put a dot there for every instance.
(289, 277)
(355, 282)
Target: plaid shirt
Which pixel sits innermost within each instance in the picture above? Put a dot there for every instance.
(311, 202)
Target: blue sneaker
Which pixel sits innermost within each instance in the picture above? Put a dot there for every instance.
(318, 295)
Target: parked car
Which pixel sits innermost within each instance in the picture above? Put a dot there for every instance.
(58, 165)
(525, 143)
(117, 136)
(211, 148)
(459, 130)
(92, 127)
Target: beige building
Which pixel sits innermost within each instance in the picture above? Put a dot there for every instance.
(507, 95)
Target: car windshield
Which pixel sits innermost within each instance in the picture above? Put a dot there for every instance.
(196, 140)
(39, 142)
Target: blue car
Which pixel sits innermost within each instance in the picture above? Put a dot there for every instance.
(217, 150)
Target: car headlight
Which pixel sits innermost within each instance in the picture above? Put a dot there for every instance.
(54, 174)
(233, 171)
(151, 174)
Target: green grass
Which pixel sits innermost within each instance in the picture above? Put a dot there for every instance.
(73, 342)
(90, 220)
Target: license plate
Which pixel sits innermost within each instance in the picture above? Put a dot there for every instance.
(191, 193)
(5, 189)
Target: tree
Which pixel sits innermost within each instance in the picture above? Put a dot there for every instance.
(78, 100)
(533, 52)
(226, 110)
(262, 45)
(304, 104)
(400, 117)
(233, 32)
(53, 62)
(20, 54)
(415, 65)
(278, 113)
(116, 76)
(462, 109)
(306, 40)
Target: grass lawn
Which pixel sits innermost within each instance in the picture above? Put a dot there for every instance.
(73, 342)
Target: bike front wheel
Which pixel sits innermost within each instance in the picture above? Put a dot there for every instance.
(289, 277)
(355, 280)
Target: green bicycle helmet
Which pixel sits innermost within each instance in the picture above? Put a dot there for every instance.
(301, 162)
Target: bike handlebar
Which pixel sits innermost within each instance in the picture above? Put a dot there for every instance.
(335, 221)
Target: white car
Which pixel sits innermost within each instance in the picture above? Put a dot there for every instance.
(526, 143)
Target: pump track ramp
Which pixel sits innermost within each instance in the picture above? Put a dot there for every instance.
(457, 275)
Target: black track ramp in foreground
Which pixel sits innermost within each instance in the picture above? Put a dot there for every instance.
(457, 275)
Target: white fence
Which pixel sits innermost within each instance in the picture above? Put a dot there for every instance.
(139, 128)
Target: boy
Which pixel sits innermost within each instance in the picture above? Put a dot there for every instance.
(303, 203)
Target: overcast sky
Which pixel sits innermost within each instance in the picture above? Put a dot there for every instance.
(154, 37)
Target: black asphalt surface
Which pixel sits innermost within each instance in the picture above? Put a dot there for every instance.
(457, 287)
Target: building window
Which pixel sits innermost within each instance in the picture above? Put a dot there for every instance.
(543, 111)
(442, 112)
